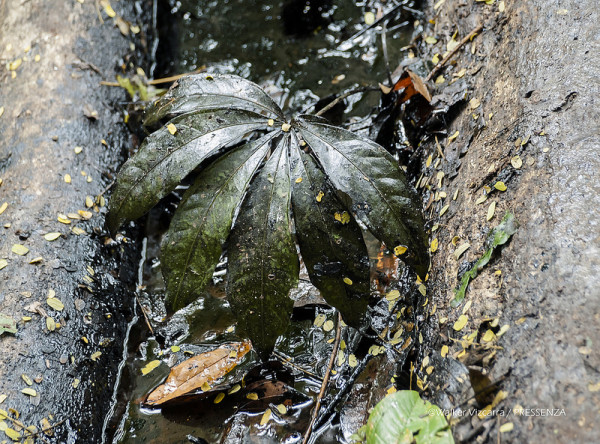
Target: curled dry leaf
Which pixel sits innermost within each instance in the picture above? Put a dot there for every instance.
(410, 84)
(198, 371)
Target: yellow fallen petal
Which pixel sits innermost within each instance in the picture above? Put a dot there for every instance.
(500, 186)
(265, 417)
(219, 398)
(400, 250)
(3, 207)
(19, 249)
(51, 236)
(460, 322)
(444, 351)
(172, 128)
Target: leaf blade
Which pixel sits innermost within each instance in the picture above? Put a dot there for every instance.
(167, 156)
(332, 250)
(202, 91)
(203, 220)
(380, 195)
(263, 263)
(403, 417)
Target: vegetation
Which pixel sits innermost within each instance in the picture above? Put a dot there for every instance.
(268, 178)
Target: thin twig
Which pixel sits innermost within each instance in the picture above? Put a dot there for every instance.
(385, 54)
(162, 80)
(451, 54)
(336, 344)
(285, 360)
(343, 96)
(30, 434)
(145, 315)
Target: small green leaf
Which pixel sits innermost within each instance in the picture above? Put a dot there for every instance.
(203, 220)
(404, 418)
(263, 262)
(499, 236)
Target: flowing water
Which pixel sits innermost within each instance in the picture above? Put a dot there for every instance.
(300, 52)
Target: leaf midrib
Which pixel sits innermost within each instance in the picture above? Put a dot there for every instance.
(398, 217)
(277, 111)
(197, 235)
(170, 153)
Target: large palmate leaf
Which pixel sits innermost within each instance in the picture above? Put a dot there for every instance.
(331, 242)
(203, 221)
(377, 189)
(263, 263)
(325, 177)
(170, 154)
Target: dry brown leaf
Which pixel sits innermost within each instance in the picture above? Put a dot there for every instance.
(411, 84)
(198, 371)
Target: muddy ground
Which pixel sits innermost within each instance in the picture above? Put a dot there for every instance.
(62, 137)
(533, 74)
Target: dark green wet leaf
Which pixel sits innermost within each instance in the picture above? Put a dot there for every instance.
(404, 418)
(366, 174)
(263, 262)
(7, 324)
(212, 91)
(332, 250)
(164, 159)
(203, 220)
(499, 236)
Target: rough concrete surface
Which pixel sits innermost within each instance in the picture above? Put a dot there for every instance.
(53, 55)
(534, 68)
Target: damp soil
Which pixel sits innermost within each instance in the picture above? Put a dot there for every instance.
(300, 56)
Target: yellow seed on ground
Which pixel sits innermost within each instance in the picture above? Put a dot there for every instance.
(299, 180)
(369, 18)
(282, 409)
(489, 336)
(67, 178)
(219, 398)
(328, 325)
(319, 196)
(236, 388)
(252, 396)
(89, 201)
(509, 426)
(172, 129)
(347, 281)
(285, 127)
(271, 122)
(78, 149)
(3, 207)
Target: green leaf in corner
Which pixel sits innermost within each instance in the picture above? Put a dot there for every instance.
(203, 221)
(263, 262)
(404, 418)
(331, 242)
(377, 189)
(7, 324)
(170, 154)
(498, 236)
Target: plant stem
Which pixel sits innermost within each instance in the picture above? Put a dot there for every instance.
(343, 96)
(336, 344)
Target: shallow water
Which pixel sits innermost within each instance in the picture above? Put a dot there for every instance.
(248, 38)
